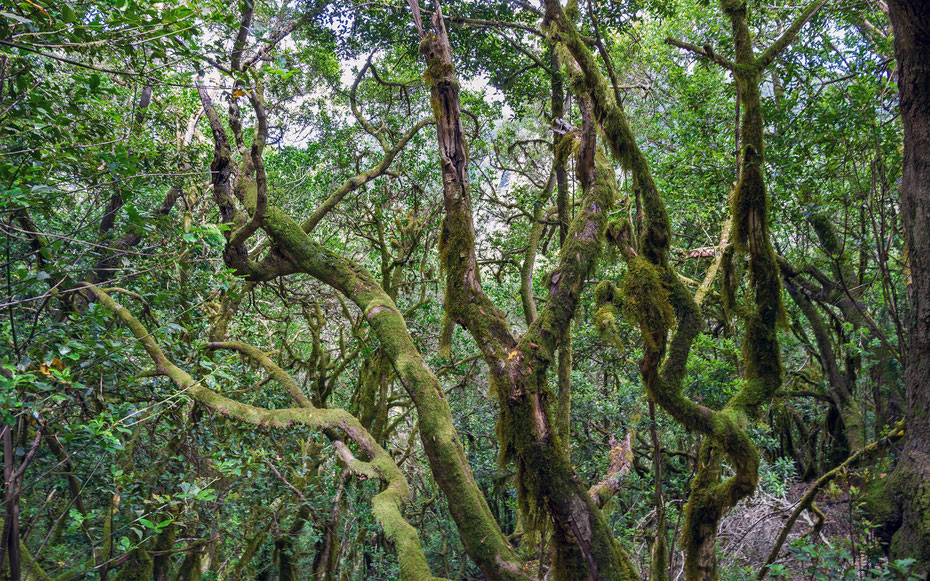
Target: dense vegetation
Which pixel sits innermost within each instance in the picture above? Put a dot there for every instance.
(488, 290)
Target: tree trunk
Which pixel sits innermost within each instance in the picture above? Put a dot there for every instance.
(549, 490)
(910, 482)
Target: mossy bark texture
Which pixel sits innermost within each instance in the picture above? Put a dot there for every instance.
(290, 250)
(551, 494)
(664, 361)
(909, 487)
(386, 505)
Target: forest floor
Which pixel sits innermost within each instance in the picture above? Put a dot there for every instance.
(748, 533)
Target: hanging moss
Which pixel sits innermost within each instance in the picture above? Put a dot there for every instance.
(515, 428)
(749, 204)
(606, 292)
(566, 146)
(549, 494)
(607, 297)
(620, 232)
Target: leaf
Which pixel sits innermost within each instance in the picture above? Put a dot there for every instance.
(17, 18)
(133, 213)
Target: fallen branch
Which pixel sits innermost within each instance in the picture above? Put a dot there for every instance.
(807, 500)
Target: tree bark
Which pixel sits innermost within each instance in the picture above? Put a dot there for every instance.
(910, 483)
(550, 492)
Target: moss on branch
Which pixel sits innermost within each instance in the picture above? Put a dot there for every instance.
(387, 504)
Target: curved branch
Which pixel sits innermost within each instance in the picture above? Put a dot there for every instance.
(769, 55)
(248, 7)
(481, 535)
(259, 203)
(705, 51)
(361, 179)
(621, 459)
(465, 301)
(386, 505)
(711, 495)
(222, 167)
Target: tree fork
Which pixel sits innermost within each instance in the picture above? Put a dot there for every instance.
(549, 490)
(386, 505)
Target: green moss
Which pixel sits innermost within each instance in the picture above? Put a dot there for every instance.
(137, 568)
(445, 338)
(566, 146)
(571, 10)
(826, 232)
(620, 232)
(606, 292)
(881, 504)
(645, 299)
(729, 281)
(750, 205)
(710, 497)
(904, 503)
(605, 321)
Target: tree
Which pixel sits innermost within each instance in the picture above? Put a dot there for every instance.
(908, 486)
(301, 360)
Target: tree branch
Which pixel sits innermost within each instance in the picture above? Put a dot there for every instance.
(808, 499)
(386, 505)
(705, 51)
(361, 179)
(769, 55)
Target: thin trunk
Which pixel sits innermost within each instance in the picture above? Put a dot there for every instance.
(550, 492)
(564, 403)
(9, 549)
(658, 563)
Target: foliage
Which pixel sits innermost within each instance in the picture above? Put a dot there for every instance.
(113, 165)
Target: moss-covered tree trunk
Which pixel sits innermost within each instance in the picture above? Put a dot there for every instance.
(911, 477)
(563, 212)
(551, 494)
(840, 383)
(652, 287)
(291, 251)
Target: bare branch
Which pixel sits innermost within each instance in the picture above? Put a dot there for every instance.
(776, 48)
(705, 51)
